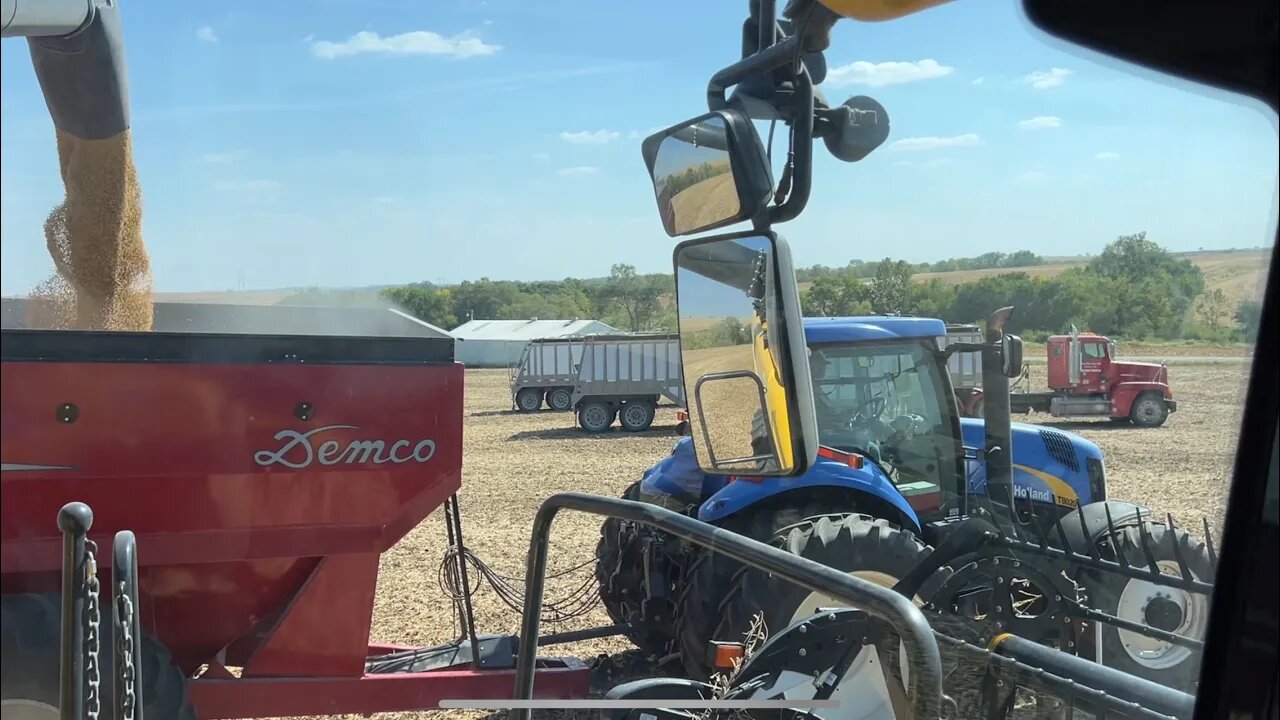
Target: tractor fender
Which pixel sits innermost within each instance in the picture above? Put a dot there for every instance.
(1123, 394)
(1123, 514)
(868, 480)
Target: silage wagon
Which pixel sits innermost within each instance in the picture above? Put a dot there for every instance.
(624, 377)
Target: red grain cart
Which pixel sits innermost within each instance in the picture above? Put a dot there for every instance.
(263, 477)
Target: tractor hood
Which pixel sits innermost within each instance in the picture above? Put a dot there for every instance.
(1126, 371)
(1048, 465)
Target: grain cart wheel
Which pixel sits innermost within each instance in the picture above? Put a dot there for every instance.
(596, 416)
(529, 400)
(1159, 606)
(30, 626)
(560, 399)
(620, 566)
(709, 576)
(1149, 410)
(636, 415)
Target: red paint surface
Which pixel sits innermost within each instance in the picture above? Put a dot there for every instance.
(224, 542)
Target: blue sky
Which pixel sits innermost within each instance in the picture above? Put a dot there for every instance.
(347, 143)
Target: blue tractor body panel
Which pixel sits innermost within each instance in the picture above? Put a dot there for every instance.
(1049, 466)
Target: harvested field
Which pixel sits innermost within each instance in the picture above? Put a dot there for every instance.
(514, 461)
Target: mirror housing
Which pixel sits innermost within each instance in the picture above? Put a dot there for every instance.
(1011, 356)
(708, 172)
(744, 361)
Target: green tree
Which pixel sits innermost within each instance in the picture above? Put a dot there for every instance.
(632, 301)
(891, 287)
(1214, 309)
(1249, 315)
(429, 305)
(1150, 291)
(836, 295)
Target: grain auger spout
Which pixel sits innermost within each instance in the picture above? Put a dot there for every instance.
(102, 277)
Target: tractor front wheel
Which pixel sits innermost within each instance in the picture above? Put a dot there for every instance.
(30, 628)
(1149, 410)
(1165, 608)
(624, 591)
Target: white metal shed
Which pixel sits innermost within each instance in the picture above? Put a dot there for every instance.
(499, 343)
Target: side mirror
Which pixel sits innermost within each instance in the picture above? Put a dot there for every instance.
(744, 360)
(1011, 356)
(708, 172)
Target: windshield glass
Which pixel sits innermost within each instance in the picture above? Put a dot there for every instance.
(889, 401)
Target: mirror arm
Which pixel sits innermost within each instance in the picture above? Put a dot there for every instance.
(761, 62)
(801, 150)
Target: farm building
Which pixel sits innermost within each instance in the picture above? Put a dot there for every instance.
(498, 343)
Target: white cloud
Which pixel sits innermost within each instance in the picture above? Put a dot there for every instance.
(579, 170)
(218, 158)
(978, 80)
(418, 42)
(1045, 79)
(936, 143)
(588, 137)
(1106, 155)
(1041, 122)
(207, 34)
(885, 73)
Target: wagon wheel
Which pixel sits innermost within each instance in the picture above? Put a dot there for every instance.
(560, 399)
(529, 400)
(596, 416)
(636, 415)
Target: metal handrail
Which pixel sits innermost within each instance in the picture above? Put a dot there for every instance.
(74, 520)
(126, 627)
(925, 681)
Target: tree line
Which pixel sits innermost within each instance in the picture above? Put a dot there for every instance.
(1133, 289)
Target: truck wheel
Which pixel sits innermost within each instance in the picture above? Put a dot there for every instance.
(709, 576)
(636, 415)
(529, 400)
(560, 399)
(1159, 606)
(1148, 410)
(620, 573)
(595, 416)
(30, 626)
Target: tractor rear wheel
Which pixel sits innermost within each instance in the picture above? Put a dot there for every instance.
(30, 627)
(529, 400)
(709, 576)
(1178, 611)
(560, 399)
(1148, 410)
(620, 566)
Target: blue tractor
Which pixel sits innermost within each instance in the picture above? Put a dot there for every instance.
(898, 472)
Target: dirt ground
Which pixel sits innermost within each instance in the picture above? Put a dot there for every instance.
(514, 461)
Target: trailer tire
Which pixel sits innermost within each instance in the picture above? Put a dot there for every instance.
(709, 576)
(636, 415)
(1132, 599)
(560, 399)
(620, 574)
(529, 400)
(1148, 410)
(30, 627)
(596, 416)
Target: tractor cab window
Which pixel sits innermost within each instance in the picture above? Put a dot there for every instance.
(888, 402)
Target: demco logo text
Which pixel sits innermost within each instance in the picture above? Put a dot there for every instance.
(301, 450)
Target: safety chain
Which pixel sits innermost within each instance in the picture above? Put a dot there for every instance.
(93, 698)
(124, 614)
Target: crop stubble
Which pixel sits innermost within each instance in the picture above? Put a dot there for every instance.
(513, 461)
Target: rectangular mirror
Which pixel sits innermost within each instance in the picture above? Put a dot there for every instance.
(744, 360)
(708, 172)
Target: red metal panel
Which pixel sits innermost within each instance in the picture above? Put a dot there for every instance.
(325, 629)
(565, 678)
(232, 496)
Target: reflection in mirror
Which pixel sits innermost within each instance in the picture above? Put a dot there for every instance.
(693, 178)
(738, 409)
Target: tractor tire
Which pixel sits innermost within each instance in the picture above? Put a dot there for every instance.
(560, 399)
(636, 415)
(529, 400)
(1179, 611)
(620, 574)
(30, 627)
(1148, 410)
(595, 416)
(708, 578)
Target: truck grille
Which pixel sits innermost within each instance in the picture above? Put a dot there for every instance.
(1060, 449)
